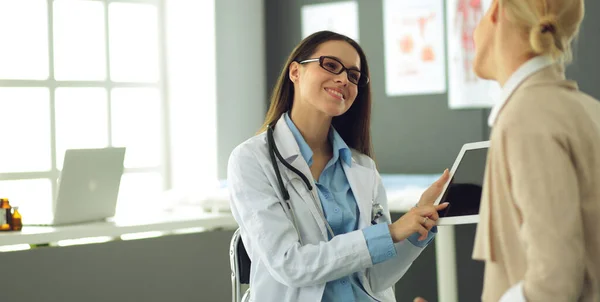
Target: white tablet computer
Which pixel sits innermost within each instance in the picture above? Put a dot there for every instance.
(463, 190)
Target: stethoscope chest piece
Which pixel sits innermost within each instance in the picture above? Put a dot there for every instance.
(376, 212)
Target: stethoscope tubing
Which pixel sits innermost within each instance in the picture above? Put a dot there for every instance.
(274, 155)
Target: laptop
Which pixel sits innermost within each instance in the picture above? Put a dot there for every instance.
(463, 190)
(88, 187)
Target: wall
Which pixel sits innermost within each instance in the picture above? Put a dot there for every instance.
(415, 134)
(586, 66)
(240, 74)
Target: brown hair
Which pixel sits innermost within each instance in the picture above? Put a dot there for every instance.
(354, 125)
(552, 24)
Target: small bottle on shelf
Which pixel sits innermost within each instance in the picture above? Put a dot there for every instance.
(17, 220)
(5, 215)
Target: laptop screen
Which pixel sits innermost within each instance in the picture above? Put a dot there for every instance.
(464, 190)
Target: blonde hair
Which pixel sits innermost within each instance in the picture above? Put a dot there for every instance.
(551, 24)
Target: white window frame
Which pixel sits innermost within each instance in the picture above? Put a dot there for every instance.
(52, 84)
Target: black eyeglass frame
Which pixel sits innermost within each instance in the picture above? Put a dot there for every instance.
(361, 82)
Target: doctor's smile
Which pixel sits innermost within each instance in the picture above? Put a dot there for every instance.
(336, 93)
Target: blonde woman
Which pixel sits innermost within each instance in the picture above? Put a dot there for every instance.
(538, 232)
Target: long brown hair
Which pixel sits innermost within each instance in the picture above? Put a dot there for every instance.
(354, 125)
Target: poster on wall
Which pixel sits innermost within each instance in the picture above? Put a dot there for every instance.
(414, 47)
(465, 89)
(339, 17)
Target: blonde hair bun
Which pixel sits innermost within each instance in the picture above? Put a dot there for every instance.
(543, 36)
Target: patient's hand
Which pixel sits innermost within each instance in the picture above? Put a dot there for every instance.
(419, 299)
(433, 192)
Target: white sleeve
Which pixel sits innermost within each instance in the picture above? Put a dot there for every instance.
(384, 275)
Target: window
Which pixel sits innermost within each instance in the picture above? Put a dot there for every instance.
(99, 73)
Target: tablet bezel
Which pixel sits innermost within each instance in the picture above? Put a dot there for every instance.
(467, 219)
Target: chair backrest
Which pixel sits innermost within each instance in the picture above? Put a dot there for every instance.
(240, 266)
(243, 262)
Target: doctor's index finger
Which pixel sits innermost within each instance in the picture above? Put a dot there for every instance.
(443, 179)
(436, 188)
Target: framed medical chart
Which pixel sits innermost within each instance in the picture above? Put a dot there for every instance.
(339, 17)
(414, 49)
(465, 89)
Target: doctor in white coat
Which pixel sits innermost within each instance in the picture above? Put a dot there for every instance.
(306, 194)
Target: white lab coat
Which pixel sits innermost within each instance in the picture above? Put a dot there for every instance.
(282, 269)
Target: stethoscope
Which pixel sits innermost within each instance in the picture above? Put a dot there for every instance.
(376, 211)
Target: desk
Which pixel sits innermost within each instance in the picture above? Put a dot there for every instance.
(180, 266)
(157, 222)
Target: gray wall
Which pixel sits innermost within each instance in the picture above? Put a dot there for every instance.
(585, 68)
(416, 134)
(241, 85)
(412, 134)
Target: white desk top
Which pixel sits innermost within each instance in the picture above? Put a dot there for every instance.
(165, 222)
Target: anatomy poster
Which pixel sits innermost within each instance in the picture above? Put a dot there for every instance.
(466, 90)
(339, 17)
(414, 47)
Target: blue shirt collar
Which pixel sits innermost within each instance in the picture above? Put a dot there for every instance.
(340, 149)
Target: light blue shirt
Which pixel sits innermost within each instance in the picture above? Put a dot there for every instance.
(341, 211)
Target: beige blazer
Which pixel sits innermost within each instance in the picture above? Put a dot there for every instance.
(540, 210)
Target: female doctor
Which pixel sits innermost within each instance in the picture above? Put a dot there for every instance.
(308, 198)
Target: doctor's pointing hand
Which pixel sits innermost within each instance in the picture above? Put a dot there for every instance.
(423, 216)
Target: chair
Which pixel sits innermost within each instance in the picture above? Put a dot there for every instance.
(240, 267)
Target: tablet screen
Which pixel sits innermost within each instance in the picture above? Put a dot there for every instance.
(464, 190)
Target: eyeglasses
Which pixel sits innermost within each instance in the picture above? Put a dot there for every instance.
(334, 66)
